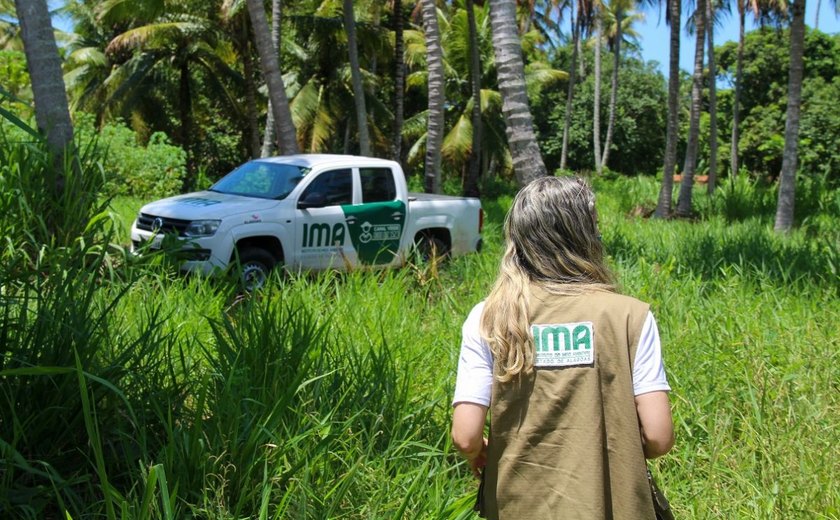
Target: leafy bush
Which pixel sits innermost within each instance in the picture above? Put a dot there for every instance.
(152, 171)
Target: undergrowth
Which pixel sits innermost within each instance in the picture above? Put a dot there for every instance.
(128, 391)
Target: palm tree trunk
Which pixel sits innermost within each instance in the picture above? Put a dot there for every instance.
(596, 104)
(434, 60)
(399, 83)
(185, 109)
(736, 106)
(817, 17)
(787, 179)
(44, 64)
(570, 92)
(356, 75)
(474, 168)
(527, 161)
(684, 200)
(613, 88)
(250, 90)
(713, 131)
(581, 62)
(270, 134)
(663, 206)
(52, 115)
(271, 71)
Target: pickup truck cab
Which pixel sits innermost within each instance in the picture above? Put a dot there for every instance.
(309, 212)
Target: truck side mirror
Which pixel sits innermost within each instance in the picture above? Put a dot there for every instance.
(313, 200)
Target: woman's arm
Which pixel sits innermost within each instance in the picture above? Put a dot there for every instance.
(468, 433)
(654, 411)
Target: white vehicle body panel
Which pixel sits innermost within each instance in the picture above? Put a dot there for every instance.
(339, 234)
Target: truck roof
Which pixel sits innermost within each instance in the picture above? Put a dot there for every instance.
(312, 160)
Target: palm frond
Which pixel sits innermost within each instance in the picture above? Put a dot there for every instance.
(417, 151)
(457, 143)
(415, 49)
(417, 80)
(116, 12)
(416, 125)
(540, 75)
(323, 128)
(87, 56)
(304, 106)
(156, 35)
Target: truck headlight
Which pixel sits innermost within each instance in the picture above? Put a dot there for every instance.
(202, 228)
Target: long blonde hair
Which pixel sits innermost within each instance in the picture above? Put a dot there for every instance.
(552, 241)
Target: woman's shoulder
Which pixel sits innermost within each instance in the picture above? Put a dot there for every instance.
(474, 317)
(618, 300)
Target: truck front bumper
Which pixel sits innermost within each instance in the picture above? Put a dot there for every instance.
(196, 255)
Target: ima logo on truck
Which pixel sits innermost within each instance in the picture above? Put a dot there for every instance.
(321, 235)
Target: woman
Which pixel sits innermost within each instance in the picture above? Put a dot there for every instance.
(570, 371)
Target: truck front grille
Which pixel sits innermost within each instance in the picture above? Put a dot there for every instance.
(162, 224)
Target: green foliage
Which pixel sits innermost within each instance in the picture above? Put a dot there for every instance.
(14, 78)
(820, 127)
(325, 396)
(764, 100)
(155, 170)
(639, 135)
(45, 200)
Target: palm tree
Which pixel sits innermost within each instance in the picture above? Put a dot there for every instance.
(713, 133)
(356, 76)
(596, 104)
(768, 7)
(44, 64)
(684, 200)
(319, 80)
(739, 73)
(672, 17)
(575, 23)
(580, 20)
(474, 168)
(271, 71)
(270, 134)
(619, 21)
(178, 42)
(527, 161)
(787, 179)
(399, 82)
(436, 95)
(235, 22)
(52, 114)
(457, 144)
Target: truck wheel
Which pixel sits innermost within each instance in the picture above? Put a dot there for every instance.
(430, 247)
(254, 266)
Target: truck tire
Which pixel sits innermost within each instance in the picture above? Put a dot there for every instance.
(429, 247)
(253, 267)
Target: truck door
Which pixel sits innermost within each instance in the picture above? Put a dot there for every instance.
(320, 221)
(377, 224)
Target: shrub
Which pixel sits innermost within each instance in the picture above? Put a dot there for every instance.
(152, 171)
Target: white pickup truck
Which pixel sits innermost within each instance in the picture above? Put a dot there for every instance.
(309, 212)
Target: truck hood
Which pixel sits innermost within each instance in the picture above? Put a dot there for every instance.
(205, 205)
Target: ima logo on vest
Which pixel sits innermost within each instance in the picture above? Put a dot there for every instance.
(566, 336)
(563, 344)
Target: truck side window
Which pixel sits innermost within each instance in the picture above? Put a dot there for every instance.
(335, 185)
(377, 185)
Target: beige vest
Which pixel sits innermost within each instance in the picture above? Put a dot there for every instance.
(564, 441)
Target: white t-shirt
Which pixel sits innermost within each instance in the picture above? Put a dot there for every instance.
(475, 367)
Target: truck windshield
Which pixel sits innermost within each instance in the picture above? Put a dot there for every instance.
(261, 179)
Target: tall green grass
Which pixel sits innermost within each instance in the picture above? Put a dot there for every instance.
(128, 391)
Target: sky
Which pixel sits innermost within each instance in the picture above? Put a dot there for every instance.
(655, 34)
